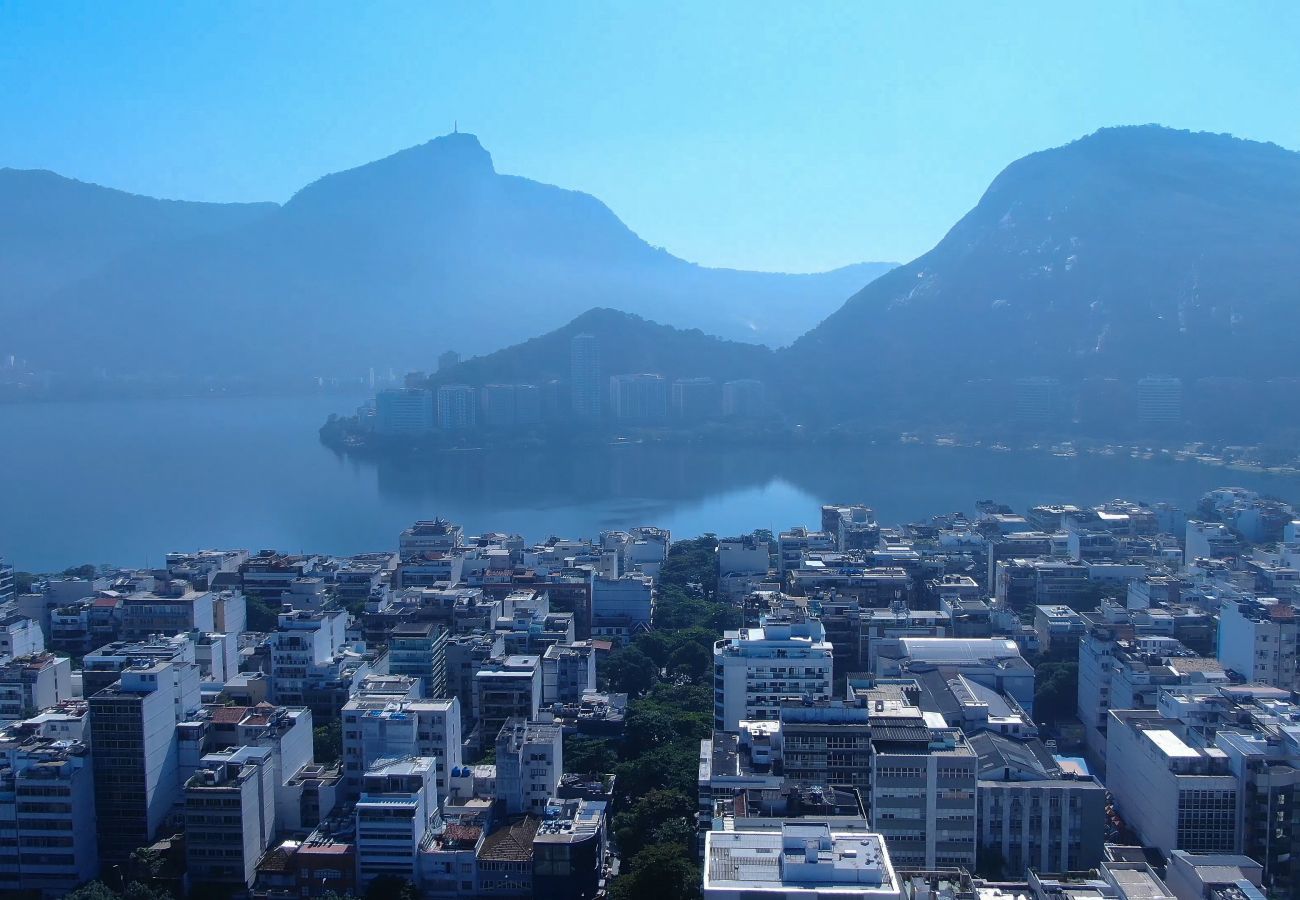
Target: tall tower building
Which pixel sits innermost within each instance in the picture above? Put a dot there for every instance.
(584, 373)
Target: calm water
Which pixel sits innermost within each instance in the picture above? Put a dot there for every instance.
(125, 482)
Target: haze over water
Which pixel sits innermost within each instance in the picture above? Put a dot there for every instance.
(125, 482)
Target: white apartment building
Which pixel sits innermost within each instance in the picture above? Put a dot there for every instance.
(20, 636)
(1174, 795)
(394, 819)
(377, 729)
(756, 668)
(1258, 640)
(230, 815)
(303, 642)
(47, 809)
(530, 761)
(801, 861)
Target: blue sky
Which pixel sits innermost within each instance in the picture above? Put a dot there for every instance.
(776, 136)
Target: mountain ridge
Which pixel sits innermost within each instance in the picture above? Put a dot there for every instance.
(388, 263)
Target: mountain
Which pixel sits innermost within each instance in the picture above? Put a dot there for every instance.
(55, 231)
(628, 344)
(387, 264)
(1132, 251)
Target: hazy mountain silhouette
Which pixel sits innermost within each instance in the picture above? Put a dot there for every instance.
(629, 344)
(1131, 251)
(55, 231)
(388, 264)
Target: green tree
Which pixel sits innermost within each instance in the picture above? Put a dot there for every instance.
(657, 872)
(636, 827)
(630, 671)
(588, 755)
(327, 742)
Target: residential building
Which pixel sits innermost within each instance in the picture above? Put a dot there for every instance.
(29, 684)
(585, 383)
(1258, 641)
(506, 688)
(1176, 796)
(395, 817)
(621, 607)
(569, 850)
(568, 672)
(378, 727)
(1034, 812)
(136, 763)
(530, 761)
(407, 411)
(419, 649)
(456, 408)
(639, 398)
(1160, 400)
(756, 668)
(696, 399)
(800, 861)
(48, 840)
(229, 816)
(744, 398)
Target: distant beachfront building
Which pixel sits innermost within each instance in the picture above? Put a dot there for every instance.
(745, 398)
(404, 411)
(584, 374)
(456, 407)
(639, 398)
(1160, 400)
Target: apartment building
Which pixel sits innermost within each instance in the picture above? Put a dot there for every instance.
(756, 668)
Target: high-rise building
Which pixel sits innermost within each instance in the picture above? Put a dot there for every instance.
(447, 359)
(377, 728)
(497, 404)
(695, 399)
(47, 810)
(530, 761)
(1160, 400)
(404, 411)
(134, 736)
(419, 649)
(586, 384)
(456, 407)
(230, 815)
(744, 398)
(394, 819)
(639, 398)
(1039, 401)
(1175, 795)
(756, 668)
(6, 581)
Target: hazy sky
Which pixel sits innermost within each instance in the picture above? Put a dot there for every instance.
(782, 136)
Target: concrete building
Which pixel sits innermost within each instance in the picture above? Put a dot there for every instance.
(530, 761)
(1209, 540)
(29, 684)
(394, 819)
(696, 399)
(826, 742)
(136, 763)
(404, 411)
(569, 850)
(20, 636)
(1258, 641)
(923, 787)
(229, 816)
(1033, 812)
(585, 381)
(419, 649)
(436, 536)
(506, 688)
(568, 671)
(1058, 628)
(621, 607)
(639, 398)
(1160, 400)
(744, 398)
(742, 564)
(456, 407)
(377, 728)
(303, 643)
(756, 668)
(800, 861)
(995, 663)
(47, 810)
(1174, 795)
